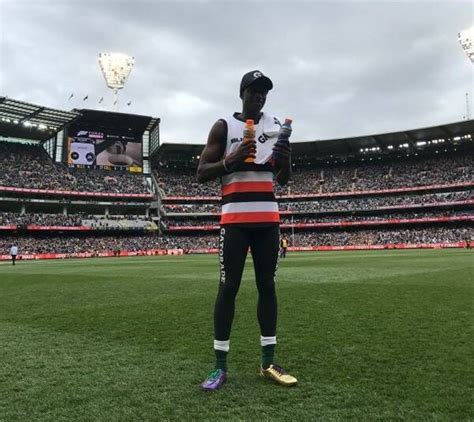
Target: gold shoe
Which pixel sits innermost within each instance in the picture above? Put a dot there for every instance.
(278, 374)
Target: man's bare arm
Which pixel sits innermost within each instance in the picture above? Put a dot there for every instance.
(212, 164)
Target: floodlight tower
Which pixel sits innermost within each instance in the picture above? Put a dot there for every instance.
(116, 68)
(466, 39)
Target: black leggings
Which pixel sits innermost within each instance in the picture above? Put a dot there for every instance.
(233, 246)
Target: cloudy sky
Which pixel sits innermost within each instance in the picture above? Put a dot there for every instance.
(340, 68)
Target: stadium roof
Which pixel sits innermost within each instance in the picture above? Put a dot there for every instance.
(384, 140)
(337, 147)
(178, 152)
(29, 121)
(122, 122)
(153, 122)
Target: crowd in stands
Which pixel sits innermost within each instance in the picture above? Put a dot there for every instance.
(368, 203)
(40, 219)
(354, 217)
(192, 222)
(323, 205)
(192, 208)
(342, 178)
(384, 237)
(29, 166)
(341, 238)
(119, 222)
(73, 220)
(110, 222)
(379, 176)
(183, 183)
(300, 219)
(77, 244)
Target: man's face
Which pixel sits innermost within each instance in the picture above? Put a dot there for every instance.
(254, 97)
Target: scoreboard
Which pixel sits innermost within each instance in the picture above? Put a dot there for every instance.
(108, 140)
(99, 149)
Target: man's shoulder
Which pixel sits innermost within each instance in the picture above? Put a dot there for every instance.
(233, 117)
(269, 117)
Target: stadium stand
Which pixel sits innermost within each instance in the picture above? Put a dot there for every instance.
(342, 178)
(338, 205)
(98, 222)
(134, 242)
(415, 186)
(412, 188)
(48, 205)
(29, 166)
(346, 218)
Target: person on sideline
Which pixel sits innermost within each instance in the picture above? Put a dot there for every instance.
(13, 253)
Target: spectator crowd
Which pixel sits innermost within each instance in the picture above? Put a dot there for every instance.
(298, 219)
(301, 219)
(78, 244)
(73, 220)
(384, 237)
(29, 166)
(328, 205)
(183, 183)
(40, 219)
(379, 176)
(342, 178)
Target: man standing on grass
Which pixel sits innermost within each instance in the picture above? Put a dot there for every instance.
(13, 253)
(283, 246)
(249, 218)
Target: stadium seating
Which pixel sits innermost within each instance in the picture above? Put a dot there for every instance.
(117, 222)
(343, 178)
(346, 218)
(346, 198)
(77, 244)
(191, 209)
(29, 166)
(328, 205)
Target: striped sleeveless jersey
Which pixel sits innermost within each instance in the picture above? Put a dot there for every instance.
(247, 192)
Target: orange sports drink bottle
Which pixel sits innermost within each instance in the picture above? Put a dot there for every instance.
(249, 135)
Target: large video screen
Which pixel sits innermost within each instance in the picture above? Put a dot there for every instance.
(91, 149)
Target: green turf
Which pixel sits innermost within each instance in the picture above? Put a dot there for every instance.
(370, 335)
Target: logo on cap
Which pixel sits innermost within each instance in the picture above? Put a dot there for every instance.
(257, 75)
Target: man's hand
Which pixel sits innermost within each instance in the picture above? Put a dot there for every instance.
(211, 163)
(282, 154)
(245, 150)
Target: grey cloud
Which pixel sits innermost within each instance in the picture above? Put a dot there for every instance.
(340, 68)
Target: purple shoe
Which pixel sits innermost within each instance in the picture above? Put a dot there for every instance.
(214, 380)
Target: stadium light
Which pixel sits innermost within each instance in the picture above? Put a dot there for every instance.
(466, 39)
(116, 68)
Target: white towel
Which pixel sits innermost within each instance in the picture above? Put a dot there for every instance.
(266, 141)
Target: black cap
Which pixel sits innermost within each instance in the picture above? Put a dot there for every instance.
(253, 76)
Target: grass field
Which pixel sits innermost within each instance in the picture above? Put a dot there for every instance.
(370, 335)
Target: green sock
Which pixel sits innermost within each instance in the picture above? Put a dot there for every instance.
(268, 353)
(221, 360)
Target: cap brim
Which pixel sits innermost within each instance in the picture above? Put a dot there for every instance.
(264, 81)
